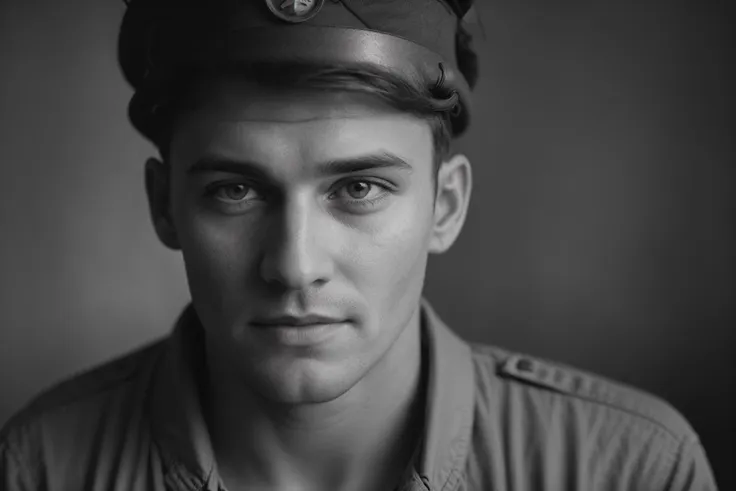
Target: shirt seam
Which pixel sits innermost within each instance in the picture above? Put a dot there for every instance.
(680, 438)
(35, 412)
(460, 449)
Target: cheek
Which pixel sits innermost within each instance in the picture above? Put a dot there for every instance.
(218, 251)
(386, 258)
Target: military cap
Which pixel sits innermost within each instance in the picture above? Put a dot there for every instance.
(413, 39)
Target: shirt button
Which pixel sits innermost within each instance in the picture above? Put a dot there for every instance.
(525, 365)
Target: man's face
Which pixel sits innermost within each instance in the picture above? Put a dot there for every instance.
(293, 204)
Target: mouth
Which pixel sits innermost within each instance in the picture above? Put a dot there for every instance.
(296, 321)
(299, 331)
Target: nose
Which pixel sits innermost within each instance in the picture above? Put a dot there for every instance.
(295, 255)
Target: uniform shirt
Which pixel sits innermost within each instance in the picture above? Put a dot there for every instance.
(494, 421)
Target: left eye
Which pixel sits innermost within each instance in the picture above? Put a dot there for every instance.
(358, 189)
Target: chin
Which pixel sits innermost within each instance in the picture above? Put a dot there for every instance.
(304, 381)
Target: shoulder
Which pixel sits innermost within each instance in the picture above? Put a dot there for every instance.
(560, 417)
(86, 386)
(76, 406)
(546, 379)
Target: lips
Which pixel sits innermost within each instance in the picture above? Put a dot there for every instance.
(307, 331)
(295, 321)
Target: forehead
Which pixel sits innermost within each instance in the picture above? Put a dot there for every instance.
(231, 116)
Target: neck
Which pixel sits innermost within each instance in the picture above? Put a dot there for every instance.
(364, 439)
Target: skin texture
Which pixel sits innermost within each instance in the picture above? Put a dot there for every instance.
(292, 239)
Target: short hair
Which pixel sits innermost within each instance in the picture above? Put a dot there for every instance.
(397, 92)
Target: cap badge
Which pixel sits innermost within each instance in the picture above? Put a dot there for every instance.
(295, 10)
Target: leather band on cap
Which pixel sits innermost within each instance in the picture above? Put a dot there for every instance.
(312, 45)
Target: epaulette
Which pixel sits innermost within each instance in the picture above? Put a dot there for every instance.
(596, 389)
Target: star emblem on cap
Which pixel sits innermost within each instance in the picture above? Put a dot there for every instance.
(294, 10)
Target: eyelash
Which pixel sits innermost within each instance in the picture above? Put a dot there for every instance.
(386, 189)
(214, 188)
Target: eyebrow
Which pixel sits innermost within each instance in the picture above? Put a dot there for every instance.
(382, 160)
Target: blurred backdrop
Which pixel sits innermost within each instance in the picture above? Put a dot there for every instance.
(601, 232)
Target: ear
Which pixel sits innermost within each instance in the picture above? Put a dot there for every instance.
(454, 184)
(158, 186)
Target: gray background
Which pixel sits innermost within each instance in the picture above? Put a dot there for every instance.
(601, 231)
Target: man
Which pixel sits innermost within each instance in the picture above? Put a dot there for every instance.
(305, 175)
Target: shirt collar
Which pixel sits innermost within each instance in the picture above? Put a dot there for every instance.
(178, 425)
(179, 429)
(450, 403)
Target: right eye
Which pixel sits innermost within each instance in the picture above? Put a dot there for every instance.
(232, 192)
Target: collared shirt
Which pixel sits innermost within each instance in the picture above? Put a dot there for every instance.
(494, 421)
